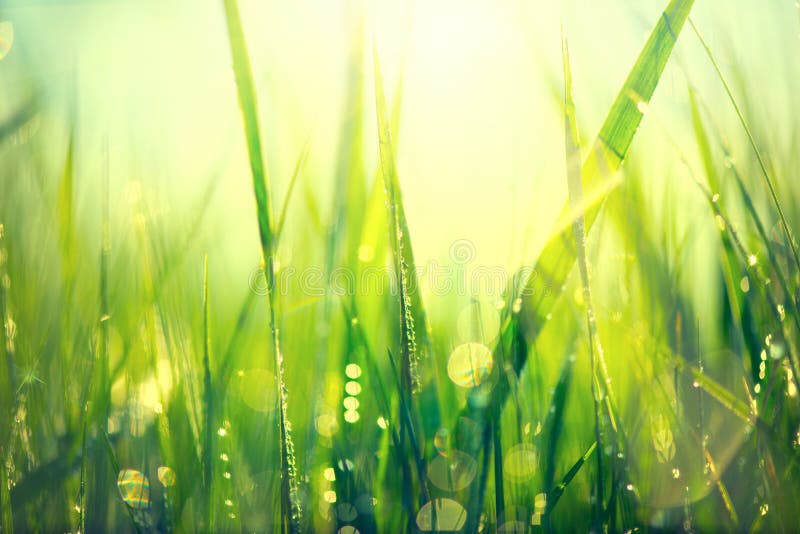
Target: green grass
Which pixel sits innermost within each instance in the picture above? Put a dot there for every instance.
(639, 374)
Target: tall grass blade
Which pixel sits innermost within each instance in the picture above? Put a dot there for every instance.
(6, 513)
(600, 384)
(606, 156)
(291, 511)
(556, 493)
(415, 330)
(298, 169)
(8, 387)
(208, 406)
(399, 238)
(98, 492)
(762, 165)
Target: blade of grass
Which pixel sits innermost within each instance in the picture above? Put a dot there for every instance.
(298, 168)
(112, 459)
(422, 368)
(398, 236)
(208, 401)
(608, 152)
(291, 512)
(97, 506)
(600, 382)
(762, 165)
(8, 387)
(6, 513)
(556, 493)
(554, 425)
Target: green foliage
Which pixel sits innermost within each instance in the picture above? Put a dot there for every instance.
(144, 387)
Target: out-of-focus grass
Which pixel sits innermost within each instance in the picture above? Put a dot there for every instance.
(159, 337)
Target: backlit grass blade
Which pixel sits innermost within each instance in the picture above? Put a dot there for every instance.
(716, 390)
(399, 239)
(6, 514)
(7, 396)
(713, 182)
(298, 168)
(762, 165)
(600, 382)
(558, 491)
(290, 505)
(607, 153)
(421, 358)
(731, 241)
(248, 103)
(605, 158)
(112, 459)
(208, 406)
(97, 504)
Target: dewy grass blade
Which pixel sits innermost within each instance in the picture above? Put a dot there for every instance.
(417, 326)
(290, 504)
(208, 406)
(558, 491)
(762, 165)
(605, 158)
(607, 153)
(398, 236)
(600, 383)
(298, 168)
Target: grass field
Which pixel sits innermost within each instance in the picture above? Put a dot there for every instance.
(372, 266)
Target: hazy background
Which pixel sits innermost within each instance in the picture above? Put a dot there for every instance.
(480, 149)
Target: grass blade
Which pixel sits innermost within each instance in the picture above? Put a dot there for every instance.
(609, 149)
(291, 511)
(762, 165)
(415, 318)
(398, 236)
(606, 156)
(558, 491)
(208, 405)
(600, 382)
